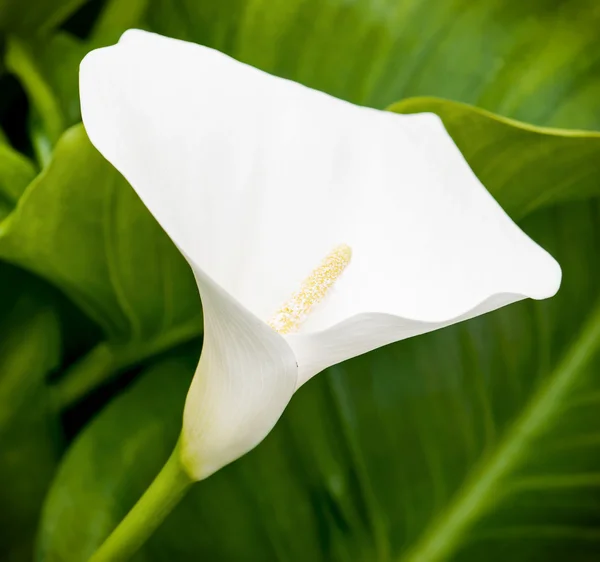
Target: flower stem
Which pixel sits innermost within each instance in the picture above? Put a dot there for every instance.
(168, 488)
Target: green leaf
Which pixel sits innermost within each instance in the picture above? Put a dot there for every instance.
(29, 431)
(477, 442)
(16, 172)
(36, 16)
(80, 226)
(507, 155)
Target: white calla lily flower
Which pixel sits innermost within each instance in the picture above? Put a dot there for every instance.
(260, 181)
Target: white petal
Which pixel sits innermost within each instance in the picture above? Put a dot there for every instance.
(257, 178)
(244, 381)
(364, 332)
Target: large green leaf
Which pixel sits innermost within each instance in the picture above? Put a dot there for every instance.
(82, 227)
(100, 245)
(477, 442)
(29, 436)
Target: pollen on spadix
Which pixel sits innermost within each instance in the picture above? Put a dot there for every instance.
(312, 290)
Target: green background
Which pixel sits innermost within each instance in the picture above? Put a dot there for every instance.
(477, 442)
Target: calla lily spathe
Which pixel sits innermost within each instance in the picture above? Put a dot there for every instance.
(256, 179)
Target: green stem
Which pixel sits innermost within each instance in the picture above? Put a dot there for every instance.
(106, 360)
(147, 514)
(95, 368)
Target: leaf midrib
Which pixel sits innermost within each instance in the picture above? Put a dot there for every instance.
(444, 535)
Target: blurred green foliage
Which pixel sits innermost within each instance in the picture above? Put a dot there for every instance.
(30, 349)
(478, 442)
(37, 17)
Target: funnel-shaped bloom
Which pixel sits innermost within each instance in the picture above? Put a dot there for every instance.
(258, 180)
